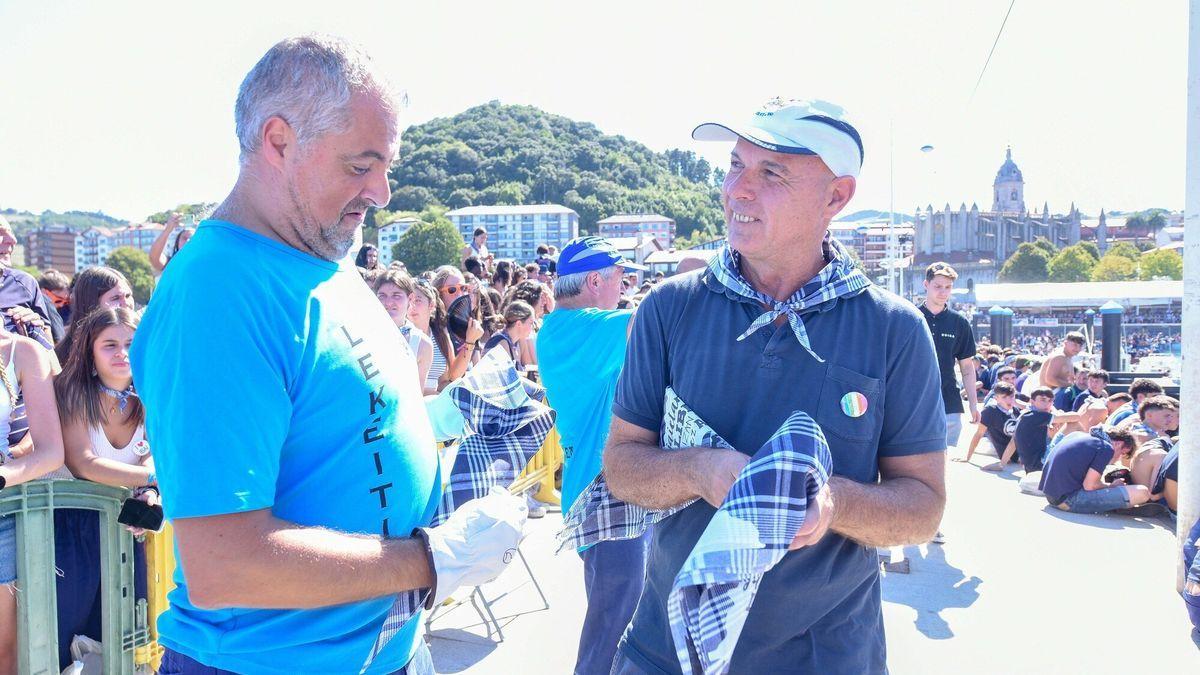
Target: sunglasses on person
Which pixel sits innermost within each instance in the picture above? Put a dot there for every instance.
(455, 289)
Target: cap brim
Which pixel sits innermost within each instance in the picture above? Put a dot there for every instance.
(714, 131)
(625, 264)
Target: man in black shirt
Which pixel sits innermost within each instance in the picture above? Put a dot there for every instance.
(954, 343)
(1034, 427)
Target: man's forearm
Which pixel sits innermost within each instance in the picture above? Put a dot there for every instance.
(896, 512)
(650, 477)
(286, 566)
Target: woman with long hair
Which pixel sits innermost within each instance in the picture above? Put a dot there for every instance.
(394, 290)
(104, 437)
(159, 261)
(502, 277)
(518, 324)
(368, 257)
(451, 285)
(94, 287)
(25, 372)
(426, 312)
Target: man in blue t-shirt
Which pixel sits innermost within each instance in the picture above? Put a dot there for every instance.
(581, 349)
(1073, 478)
(1097, 380)
(1140, 389)
(779, 322)
(291, 443)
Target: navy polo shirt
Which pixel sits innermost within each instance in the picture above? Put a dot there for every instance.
(1068, 464)
(952, 340)
(818, 610)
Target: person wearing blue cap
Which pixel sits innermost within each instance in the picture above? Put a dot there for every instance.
(780, 321)
(581, 349)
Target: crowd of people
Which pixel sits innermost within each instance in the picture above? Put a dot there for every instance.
(70, 411)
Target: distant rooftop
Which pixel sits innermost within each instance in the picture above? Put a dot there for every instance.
(510, 210)
(635, 218)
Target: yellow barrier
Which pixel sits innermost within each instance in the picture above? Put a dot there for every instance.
(160, 580)
(541, 469)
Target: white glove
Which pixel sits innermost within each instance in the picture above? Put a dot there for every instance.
(476, 542)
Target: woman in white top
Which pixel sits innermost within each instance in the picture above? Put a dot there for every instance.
(25, 371)
(104, 434)
(393, 289)
(426, 312)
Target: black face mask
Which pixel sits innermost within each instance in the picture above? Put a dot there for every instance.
(459, 315)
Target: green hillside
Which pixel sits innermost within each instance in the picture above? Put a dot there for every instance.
(515, 154)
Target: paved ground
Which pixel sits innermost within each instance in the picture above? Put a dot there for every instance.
(1017, 588)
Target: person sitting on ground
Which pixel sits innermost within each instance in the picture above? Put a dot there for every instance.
(1114, 403)
(1166, 479)
(1073, 478)
(1144, 464)
(998, 420)
(1007, 375)
(1157, 416)
(1064, 397)
(1034, 427)
(427, 313)
(1139, 390)
(518, 324)
(104, 439)
(367, 258)
(1022, 365)
(1056, 369)
(93, 288)
(56, 286)
(25, 373)
(394, 290)
(1097, 380)
(158, 255)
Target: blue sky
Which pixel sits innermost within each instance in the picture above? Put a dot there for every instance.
(126, 107)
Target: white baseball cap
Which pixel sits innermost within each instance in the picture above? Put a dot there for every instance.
(798, 127)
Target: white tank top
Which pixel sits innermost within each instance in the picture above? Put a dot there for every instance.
(104, 448)
(7, 403)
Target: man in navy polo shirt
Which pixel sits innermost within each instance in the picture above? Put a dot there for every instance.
(1073, 479)
(776, 324)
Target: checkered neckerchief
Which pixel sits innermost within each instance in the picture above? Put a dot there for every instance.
(839, 278)
(506, 424)
(747, 536)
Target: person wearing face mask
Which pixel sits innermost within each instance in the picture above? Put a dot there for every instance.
(104, 439)
(394, 290)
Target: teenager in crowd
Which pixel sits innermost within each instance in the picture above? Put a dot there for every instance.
(1073, 478)
(451, 285)
(1139, 390)
(997, 420)
(518, 324)
(1034, 427)
(368, 257)
(394, 289)
(94, 287)
(502, 277)
(427, 313)
(104, 437)
(158, 250)
(25, 372)
(1064, 397)
(1097, 380)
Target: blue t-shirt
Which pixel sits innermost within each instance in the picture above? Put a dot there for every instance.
(580, 354)
(1068, 464)
(877, 395)
(1064, 398)
(274, 380)
(1120, 414)
(1085, 396)
(1030, 437)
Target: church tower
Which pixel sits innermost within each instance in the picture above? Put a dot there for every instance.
(1009, 188)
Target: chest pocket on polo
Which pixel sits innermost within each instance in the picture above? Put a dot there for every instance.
(851, 405)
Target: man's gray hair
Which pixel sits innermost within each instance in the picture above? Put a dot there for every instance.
(571, 285)
(308, 82)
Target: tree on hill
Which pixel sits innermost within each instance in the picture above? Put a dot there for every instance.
(1030, 262)
(1161, 264)
(1073, 263)
(135, 265)
(199, 210)
(511, 154)
(430, 243)
(1114, 268)
(1092, 249)
(1125, 250)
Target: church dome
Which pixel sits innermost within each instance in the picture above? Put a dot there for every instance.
(1008, 170)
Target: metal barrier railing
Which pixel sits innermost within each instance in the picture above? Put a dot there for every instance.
(124, 628)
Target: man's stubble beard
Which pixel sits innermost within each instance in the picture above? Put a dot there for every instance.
(310, 231)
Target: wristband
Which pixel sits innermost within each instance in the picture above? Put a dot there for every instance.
(421, 535)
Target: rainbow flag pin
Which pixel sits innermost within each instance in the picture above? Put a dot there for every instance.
(854, 404)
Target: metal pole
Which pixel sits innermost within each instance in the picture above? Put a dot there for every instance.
(1189, 452)
(891, 245)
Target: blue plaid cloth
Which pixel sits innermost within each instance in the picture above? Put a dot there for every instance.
(748, 535)
(506, 425)
(839, 278)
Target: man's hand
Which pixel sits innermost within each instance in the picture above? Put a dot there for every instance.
(974, 414)
(958, 459)
(715, 471)
(816, 521)
(26, 318)
(476, 542)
